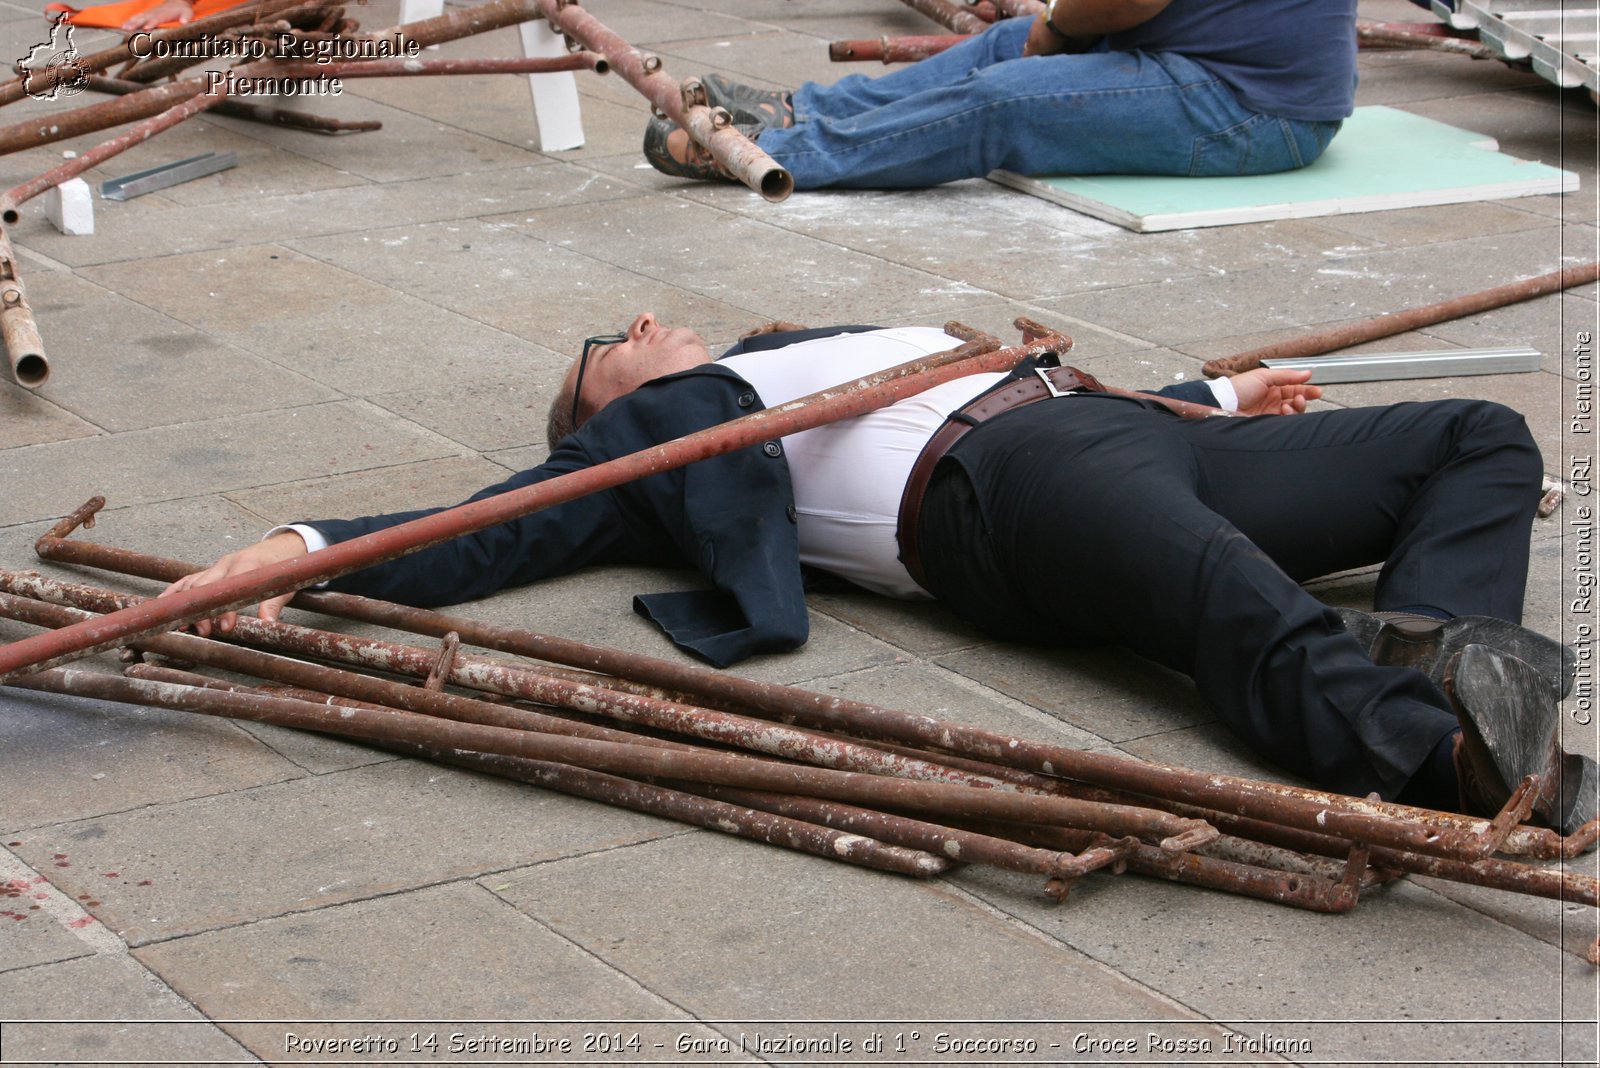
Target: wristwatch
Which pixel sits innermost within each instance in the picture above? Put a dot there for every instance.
(1050, 20)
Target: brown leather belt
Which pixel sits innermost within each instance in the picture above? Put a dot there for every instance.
(1044, 382)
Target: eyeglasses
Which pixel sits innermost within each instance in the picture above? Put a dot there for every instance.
(583, 365)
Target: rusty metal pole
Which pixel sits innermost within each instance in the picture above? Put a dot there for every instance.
(240, 109)
(843, 402)
(107, 113)
(1310, 811)
(908, 49)
(723, 769)
(481, 673)
(741, 821)
(1339, 337)
(1013, 9)
(950, 16)
(1263, 875)
(1383, 35)
(969, 847)
(24, 347)
(399, 68)
(710, 128)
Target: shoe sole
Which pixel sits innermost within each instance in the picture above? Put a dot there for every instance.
(1555, 663)
(1508, 719)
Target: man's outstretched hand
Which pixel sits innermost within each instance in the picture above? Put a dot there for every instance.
(285, 545)
(1274, 391)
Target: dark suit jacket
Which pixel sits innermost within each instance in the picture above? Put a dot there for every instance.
(731, 517)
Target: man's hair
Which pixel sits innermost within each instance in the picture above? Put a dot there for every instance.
(559, 422)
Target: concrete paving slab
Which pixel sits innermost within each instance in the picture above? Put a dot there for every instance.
(118, 362)
(26, 418)
(1280, 970)
(1550, 324)
(210, 456)
(712, 946)
(1540, 124)
(555, 293)
(36, 917)
(1440, 222)
(100, 757)
(447, 480)
(487, 413)
(408, 146)
(357, 335)
(1182, 312)
(919, 628)
(1108, 692)
(688, 244)
(998, 251)
(220, 226)
(362, 833)
(73, 1001)
(446, 953)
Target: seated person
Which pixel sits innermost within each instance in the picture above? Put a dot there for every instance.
(1174, 87)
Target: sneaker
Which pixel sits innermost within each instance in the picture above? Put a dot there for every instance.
(749, 105)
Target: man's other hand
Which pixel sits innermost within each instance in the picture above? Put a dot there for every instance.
(1274, 391)
(285, 545)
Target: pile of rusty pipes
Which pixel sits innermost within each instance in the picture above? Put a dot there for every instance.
(837, 778)
(154, 108)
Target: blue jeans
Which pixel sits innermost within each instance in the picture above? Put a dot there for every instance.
(981, 106)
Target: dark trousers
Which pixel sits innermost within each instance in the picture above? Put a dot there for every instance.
(1094, 518)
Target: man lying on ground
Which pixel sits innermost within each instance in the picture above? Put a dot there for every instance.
(1057, 514)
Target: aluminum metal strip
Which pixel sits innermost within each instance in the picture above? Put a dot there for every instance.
(139, 183)
(1384, 367)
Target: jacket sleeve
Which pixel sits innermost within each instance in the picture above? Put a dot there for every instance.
(728, 516)
(1194, 392)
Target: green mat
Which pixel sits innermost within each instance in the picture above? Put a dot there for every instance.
(1382, 159)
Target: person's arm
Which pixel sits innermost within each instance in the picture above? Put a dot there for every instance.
(164, 12)
(1075, 25)
(727, 516)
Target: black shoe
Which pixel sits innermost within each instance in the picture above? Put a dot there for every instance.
(749, 105)
(1580, 792)
(1510, 729)
(1398, 639)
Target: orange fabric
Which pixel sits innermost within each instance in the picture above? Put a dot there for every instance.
(112, 16)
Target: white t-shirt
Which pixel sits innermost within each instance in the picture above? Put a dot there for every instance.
(848, 475)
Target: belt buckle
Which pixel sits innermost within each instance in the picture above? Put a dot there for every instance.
(1049, 383)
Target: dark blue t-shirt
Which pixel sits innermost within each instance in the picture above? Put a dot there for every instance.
(1293, 58)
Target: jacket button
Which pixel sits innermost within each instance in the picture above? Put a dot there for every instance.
(746, 399)
(793, 514)
(773, 449)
